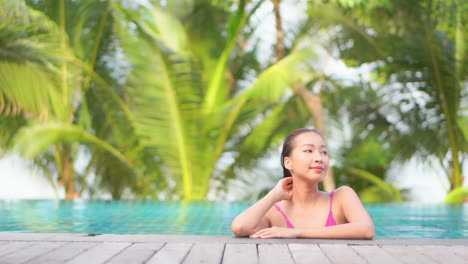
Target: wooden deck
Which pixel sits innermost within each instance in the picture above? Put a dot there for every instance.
(84, 248)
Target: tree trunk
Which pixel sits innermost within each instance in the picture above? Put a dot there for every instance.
(315, 105)
(69, 174)
(312, 100)
(279, 48)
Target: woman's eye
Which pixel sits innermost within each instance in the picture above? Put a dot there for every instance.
(325, 152)
(308, 150)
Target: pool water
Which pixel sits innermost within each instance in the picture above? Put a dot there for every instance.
(394, 220)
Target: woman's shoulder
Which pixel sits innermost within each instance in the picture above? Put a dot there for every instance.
(344, 191)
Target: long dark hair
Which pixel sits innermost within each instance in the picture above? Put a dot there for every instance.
(288, 146)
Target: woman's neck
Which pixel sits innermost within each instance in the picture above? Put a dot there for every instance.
(305, 193)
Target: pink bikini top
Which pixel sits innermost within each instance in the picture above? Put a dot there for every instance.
(330, 219)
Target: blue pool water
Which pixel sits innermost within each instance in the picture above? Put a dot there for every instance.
(396, 220)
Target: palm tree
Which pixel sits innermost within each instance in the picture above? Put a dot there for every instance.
(44, 82)
(420, 72)
(196, 117)
(187, 131)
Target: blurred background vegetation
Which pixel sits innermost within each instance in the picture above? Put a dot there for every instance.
(177, 99)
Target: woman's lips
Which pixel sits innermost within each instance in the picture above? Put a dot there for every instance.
(317, 168)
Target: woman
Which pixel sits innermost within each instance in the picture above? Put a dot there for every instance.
(295, 207)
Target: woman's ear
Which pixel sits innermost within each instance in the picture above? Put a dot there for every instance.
(287, 163)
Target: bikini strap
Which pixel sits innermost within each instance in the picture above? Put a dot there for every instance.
(330, 219)
(289, 224)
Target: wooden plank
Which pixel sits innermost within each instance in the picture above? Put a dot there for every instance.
(14, 246)
(136, 253)
(171, 253)
(62, 254)
(205, 253)
(461, 251)
(305, 253)
(375, 254)
(100, 253)
(441, 254)
(274, 253)
(408, 254)
(341, 254)
(240, 253)
(30, 252)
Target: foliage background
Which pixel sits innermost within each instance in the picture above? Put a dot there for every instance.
(179, 99)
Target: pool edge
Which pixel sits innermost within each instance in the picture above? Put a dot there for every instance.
(138, 238)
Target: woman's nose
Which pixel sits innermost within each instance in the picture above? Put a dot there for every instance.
(318, 157)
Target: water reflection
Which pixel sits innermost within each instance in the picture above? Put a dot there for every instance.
(408, 220)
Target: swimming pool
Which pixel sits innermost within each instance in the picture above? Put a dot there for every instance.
(394, 220)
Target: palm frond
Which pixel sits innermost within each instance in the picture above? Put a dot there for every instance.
(162, 101)
(217, 92)
(9, 126)
(32, 90)
(271, 86)
(275, 81)
(159, 26)
(382, 185)
(37, 138)
(457, 196)
(28, 35)
(276, 125)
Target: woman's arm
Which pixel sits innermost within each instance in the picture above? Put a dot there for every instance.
(359, 226)
(343, 231)
(254, 218)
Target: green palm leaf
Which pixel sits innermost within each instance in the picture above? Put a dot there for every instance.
(457, 196)
(275, 81)
(382, 185)
(32, 89)
(31, 55)
(161, 101)
(271, 86)
(159, 25)
(217, 92)
(277, 124)
(37, 138)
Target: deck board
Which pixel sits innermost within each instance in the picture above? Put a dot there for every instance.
(375, 254)
(442, 254)
(341, 254)
(408, 254)
(171, 253)
(209, 253)
(113, 248)
(303, 253)
(31, 252)
(99, 254)
(14, 246)
(274, 253)
(136, 253)
(240, 254)
(64, 253)
(460, 251)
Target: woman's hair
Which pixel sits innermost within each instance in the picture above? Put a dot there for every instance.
(289, 144)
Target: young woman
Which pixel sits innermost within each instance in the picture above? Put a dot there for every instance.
(295, 207)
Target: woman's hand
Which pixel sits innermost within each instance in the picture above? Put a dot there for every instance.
(275, 232)
(283, 189)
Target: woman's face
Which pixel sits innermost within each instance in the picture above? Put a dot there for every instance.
(309, 157)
